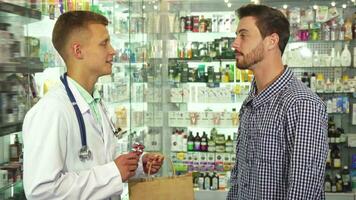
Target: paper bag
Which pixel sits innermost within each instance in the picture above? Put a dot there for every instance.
(163, 188)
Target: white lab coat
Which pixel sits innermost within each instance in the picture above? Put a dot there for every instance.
(52, 168)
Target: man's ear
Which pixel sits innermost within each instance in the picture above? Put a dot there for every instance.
(77, 50)
(273, 41)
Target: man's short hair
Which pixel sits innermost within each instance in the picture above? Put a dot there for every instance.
(70, 22)
(268, 21)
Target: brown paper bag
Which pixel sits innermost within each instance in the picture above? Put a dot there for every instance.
(163, 188)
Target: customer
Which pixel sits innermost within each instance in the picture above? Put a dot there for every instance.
(282, 142)
(68, 136)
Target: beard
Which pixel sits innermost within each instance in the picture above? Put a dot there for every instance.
(255, 56)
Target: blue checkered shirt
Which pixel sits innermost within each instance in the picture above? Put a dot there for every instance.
(282, 143)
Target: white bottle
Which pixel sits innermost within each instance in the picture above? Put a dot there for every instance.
(215, 24)
(316, 59)
(174, 142)
(338, 86)
(354, 57)
(233, 23)
(313, 82)
(227, 24)
(329, 106)
(337, 60)
(184, 143)
(156, 143)
(346, 57)
(221, 24)
(148, 142)
(333, 58)
(179, 141)
(328, 86)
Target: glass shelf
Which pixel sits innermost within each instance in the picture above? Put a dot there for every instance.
(335, 93)
(15, 13)
(10, 185)
(321, 67)
(340, 113)
(12, 191)
(9, 128)
(15, 67)
(232, 104)
(205, 127)
(133, 37)
(203, 36)
(203, 61)
(323, 41)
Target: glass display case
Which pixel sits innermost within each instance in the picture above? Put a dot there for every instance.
(205, 90)
(174, 85)
(19, 60)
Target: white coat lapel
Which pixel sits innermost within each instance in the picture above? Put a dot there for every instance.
(107, 133)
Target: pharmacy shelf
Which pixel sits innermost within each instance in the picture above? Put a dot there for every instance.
(10, 186)
(15, 67)
(203, 36)
(9, 128)
(336, 93)
(322, 41)
(19, 14)
(219, 127)
(137, 64)
(132, 37)
(227, 104)
(321, 67)
(212, 195)
(217, 60)
(204, 83)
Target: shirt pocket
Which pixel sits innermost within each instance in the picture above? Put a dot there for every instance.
(268, 146)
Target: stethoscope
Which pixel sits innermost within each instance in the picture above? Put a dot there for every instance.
(84, 152)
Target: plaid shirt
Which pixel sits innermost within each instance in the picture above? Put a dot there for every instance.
(282, 143)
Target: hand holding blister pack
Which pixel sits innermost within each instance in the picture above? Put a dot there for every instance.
(128, 163)
(138, 148)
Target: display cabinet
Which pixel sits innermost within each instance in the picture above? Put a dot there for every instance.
(19, 60)
(204, 90)
(175, 86)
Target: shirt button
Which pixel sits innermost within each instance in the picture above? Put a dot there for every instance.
(245, 185)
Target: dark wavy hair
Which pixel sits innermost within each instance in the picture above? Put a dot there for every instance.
(268, 21)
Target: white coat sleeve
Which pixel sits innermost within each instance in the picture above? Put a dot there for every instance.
(45, 133)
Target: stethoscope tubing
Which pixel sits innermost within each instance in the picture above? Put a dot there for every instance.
(80, 119)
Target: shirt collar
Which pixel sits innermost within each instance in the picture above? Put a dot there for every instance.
(83, 98)
(271, 91)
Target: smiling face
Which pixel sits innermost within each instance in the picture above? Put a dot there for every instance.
(248, 45)
(97, 51)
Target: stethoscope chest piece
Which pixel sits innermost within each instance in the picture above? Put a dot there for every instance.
(85, 154)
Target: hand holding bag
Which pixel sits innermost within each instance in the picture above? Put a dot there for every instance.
(162, 188)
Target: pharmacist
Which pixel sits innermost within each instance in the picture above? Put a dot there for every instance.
(69, 139)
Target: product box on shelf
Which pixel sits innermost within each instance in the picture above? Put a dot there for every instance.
(205, 119)
(210, 161)
(203, 161)
(176, 95)
(137, 119)
(154, 95)
(219, 162)
(227, 162)
(226, 119)
(178, 119)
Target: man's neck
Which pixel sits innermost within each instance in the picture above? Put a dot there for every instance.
(267, 72)
(84, 80)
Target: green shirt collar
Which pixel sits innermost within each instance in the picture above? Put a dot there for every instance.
(85, 94)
